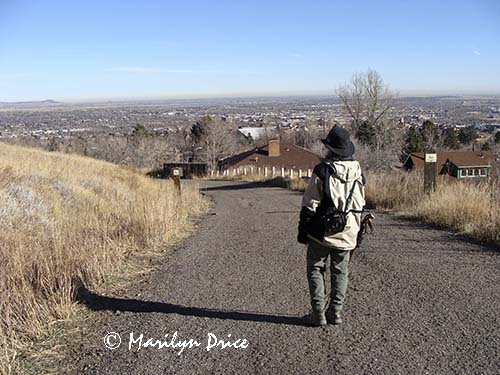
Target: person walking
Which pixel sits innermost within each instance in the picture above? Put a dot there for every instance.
(330, 220)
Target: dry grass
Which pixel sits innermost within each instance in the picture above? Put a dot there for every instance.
(472, 209)
(298, 184)
(65, 218)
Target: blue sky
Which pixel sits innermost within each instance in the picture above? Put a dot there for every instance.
(79, 50)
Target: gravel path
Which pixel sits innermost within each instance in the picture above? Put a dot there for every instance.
(420, 300)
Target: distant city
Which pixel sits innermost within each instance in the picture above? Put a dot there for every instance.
(41, 122)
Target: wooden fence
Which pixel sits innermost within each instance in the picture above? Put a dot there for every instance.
(270, 172)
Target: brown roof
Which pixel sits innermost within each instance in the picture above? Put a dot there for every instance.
(291, 156)
(459, 158)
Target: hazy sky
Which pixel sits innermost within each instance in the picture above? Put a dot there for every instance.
(81, 49)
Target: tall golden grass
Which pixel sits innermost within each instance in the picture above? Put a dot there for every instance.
(465, 207)
(66, 219)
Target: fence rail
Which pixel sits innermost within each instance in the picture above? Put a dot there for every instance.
(262, 171)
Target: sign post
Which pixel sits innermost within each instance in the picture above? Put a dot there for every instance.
(430, 173)
(177, 173)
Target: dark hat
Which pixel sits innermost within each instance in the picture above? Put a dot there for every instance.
(339, 142)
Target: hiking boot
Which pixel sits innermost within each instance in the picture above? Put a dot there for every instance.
(317, 318)
(335, 317)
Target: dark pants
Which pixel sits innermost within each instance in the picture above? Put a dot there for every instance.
(317, 256)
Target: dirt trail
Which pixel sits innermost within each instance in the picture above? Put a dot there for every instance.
(419, 301)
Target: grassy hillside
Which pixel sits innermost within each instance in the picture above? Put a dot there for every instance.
(65, 218)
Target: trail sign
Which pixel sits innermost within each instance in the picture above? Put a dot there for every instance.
(431, 158)
(430, 173)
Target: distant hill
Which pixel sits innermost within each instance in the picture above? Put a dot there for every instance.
(36, 103)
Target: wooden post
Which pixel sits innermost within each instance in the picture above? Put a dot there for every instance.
(176, 172)
(177, 183)
(430, 173)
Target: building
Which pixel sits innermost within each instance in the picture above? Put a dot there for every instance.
(275, 154)
(252, 133)
(459, 164)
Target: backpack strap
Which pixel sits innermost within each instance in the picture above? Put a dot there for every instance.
(326, 185)
(324, 170)
(349, 199)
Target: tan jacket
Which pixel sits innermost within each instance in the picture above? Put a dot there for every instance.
(342, 177)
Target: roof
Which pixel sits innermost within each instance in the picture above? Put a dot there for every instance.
(461, 159)
(170, 163)
(252, 132)
(291, 157)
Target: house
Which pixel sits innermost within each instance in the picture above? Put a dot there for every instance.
(459, 164)
(275, 154)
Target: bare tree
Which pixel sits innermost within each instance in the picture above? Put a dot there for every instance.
(180, 142)
(431, 136)
(387, 146)
(368, 101)
(217, 142)
(270, 124)
(366, 98)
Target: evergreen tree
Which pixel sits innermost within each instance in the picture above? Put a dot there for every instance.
(413, 142)
(486, 146)
(200, 129)
(430, 136)
(140, 131)
(467, 135)
(497, 137)
(366, 133)
(450, 139)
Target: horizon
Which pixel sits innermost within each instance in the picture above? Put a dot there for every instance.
(237, 96)
(122, 51)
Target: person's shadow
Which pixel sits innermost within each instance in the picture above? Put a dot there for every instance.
(97, 302)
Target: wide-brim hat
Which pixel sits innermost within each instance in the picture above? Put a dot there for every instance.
(339, 142)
